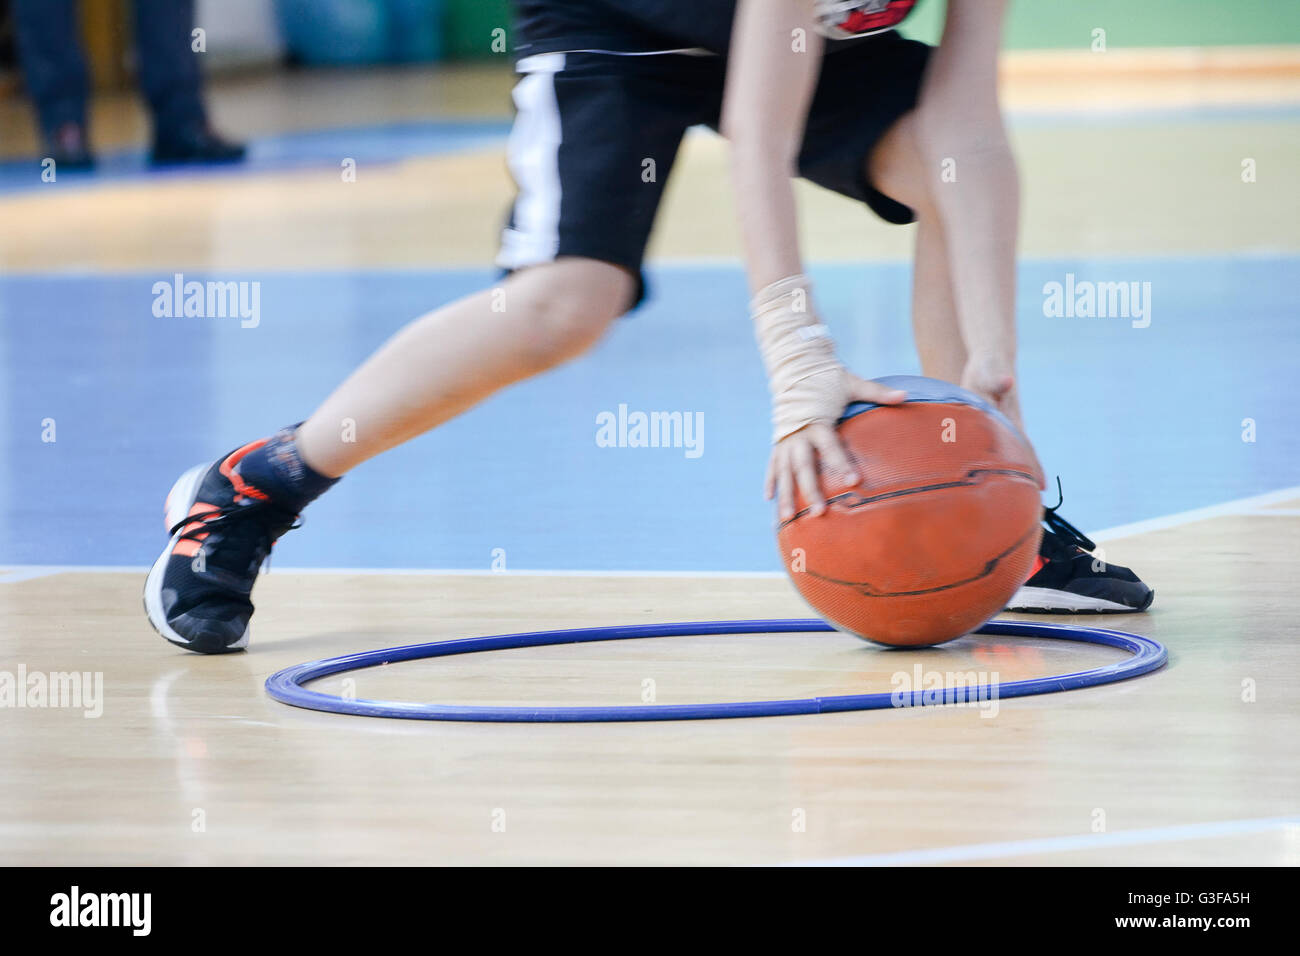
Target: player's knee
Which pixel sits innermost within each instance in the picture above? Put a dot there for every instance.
(896, 168)
(567, 306)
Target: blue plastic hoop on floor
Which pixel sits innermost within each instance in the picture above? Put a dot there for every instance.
(286, 685)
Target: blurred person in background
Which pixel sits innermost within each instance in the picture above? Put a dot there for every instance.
(54, 68)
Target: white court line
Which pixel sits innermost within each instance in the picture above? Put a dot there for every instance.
(1062, 844)
(1236, 507)
(10, 574)
(535, 573)
(25, 572)
(734, 261)
(13, 573)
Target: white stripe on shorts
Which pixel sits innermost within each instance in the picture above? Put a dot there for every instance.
(532, 153)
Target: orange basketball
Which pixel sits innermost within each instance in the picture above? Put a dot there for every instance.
(940, 531)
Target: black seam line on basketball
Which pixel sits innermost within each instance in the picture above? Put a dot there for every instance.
(965, 482)
(866, 590)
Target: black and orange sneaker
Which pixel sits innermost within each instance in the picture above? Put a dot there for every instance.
(222, 529)
(1069, 579)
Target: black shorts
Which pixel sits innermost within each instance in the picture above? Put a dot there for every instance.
(588, 125)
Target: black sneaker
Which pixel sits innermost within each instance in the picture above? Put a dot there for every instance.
(195, 145)
(222, 529)
(1068, 579)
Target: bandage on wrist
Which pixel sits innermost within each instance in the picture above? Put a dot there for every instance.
(804, 375)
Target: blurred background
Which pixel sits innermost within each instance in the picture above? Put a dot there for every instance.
(254, 45)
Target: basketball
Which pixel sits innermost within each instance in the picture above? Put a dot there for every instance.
(941, 529)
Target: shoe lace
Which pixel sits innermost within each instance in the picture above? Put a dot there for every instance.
(270, 521)
(1062, 528)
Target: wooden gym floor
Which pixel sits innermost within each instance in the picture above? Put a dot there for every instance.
(1178, 767)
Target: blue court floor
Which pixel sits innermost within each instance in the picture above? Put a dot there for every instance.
(1139, 422)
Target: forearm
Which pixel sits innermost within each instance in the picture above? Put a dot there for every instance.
(770, 81)
(980, 215)
(964, 145)
(766, 215)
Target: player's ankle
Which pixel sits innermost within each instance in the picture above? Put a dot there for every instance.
(279, 469)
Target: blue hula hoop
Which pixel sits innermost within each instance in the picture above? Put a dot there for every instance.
(286, 685)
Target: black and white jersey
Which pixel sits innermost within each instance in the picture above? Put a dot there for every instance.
(659, 26)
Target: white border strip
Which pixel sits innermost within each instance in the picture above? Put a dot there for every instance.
(13, 573)
(26, 572)
(1241, 506)
(1063, 844)
(735, 261)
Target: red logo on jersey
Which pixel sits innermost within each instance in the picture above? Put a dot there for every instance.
(840, 19)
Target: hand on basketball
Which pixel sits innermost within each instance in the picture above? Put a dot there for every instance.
(991, 379)
(803, 458)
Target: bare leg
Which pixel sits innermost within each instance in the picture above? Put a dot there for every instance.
(896, 167)
(934, 313)
(450, 359)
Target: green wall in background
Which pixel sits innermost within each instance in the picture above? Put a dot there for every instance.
(1068, 24)
(1034, 24)
(470, 24)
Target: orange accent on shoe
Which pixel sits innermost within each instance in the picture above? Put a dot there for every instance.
(227, 469)
(188, 547)
(1039, 563)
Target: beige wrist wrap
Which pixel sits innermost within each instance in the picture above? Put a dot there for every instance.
(805, 377)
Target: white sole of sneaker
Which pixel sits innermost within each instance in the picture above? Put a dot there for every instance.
(178, 504)
(1046, 599)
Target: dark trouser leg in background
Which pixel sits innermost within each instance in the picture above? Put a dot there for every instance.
(169, 68)
(172, 82)
(54, 68)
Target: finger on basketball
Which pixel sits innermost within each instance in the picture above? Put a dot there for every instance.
(835, 465)
(784, 489)
(862, 390)
(805, 471)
